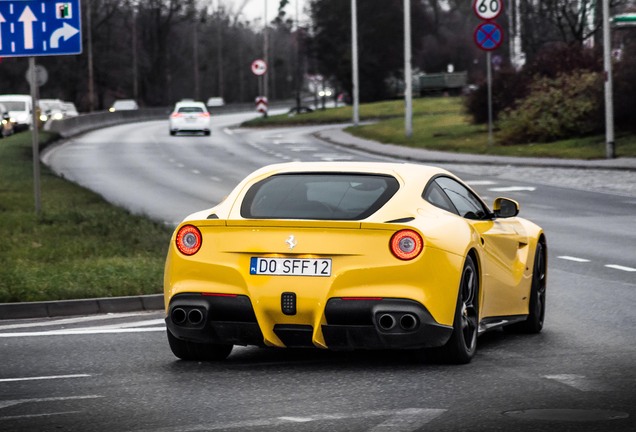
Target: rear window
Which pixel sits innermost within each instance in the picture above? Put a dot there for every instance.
(327, 196)
(190, 109)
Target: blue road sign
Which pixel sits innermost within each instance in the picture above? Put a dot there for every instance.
(40, 28)
(488, 35)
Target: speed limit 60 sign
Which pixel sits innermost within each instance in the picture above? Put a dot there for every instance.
(488, 9)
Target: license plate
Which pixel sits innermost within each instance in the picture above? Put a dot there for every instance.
(290, 266)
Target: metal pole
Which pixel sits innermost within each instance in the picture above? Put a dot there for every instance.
(195, 55)
(354, 62)
(408, 75)
(489, 78)
(35, 143)
(265, 50)
(91, 80)
(135, 53)
(610, 151)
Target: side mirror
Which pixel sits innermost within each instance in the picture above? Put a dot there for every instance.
(505, 208)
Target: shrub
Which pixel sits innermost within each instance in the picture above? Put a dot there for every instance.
(556, 108)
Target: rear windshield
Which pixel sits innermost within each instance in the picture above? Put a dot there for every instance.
(190, 110)
(327, 196)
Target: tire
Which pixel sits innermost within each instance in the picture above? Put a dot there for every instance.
(536, 306)
(186, 350)
(206, 133)
(173, 133)
(462, 345)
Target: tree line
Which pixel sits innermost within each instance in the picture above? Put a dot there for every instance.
(160, 51)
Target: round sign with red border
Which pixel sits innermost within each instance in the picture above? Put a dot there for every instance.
(488, 9)
(488, 36)
(259, 67)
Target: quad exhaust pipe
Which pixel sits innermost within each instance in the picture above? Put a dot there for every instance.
(182, 317)
(407, 321)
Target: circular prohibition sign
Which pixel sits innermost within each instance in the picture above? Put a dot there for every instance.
(488, 36)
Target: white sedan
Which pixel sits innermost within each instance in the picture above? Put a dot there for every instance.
(190, 117)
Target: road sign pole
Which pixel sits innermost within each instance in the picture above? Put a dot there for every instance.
(34, 135)
(408, 75)
(354, 62)
(610, 151)
(489, 78)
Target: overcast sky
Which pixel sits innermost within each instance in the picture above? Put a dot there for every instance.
(255, 9)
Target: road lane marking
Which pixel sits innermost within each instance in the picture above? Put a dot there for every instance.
(43, 378)
(405, 420)
(408, 420)
(513, 189)
(26, 416)
(480, 182)
(575, 259)
(620, 267)
(71, 320)
(71, 332)
(228, 131)
(8, 403)
(579, 382)
(195, 171)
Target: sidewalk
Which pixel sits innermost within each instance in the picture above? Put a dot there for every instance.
(336, 136)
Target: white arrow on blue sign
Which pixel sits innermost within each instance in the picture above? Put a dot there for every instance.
(40, 28)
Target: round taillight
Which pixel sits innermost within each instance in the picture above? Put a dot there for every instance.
(406, 244)
(189, 240)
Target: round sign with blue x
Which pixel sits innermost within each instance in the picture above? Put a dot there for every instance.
(488, 35)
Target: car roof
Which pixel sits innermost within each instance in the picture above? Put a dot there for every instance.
(405, 171)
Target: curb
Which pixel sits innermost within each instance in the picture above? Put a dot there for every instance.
(58, 308)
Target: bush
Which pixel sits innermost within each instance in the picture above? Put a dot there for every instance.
(510, 87)
(556, 108)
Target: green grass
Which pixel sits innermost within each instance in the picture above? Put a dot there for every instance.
(79, 247)
(441, 124)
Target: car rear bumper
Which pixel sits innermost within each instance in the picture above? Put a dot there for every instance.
(350, 324)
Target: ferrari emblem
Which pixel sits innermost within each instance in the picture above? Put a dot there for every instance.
(291, 241)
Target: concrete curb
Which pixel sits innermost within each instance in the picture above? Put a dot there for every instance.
(58, 308)
(338, 136)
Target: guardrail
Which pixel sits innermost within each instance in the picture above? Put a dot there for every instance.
(71, 126)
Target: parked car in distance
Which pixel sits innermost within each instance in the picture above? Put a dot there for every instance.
(124, 105)
(7, 123)
(20, 109)
(215, 102)
(50, 109)
(190, 116)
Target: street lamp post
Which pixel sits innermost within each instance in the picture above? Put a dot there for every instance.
(408, 76)
(354, 62)
(610, 152)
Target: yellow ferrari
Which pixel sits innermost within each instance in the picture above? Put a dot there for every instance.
(352, 255)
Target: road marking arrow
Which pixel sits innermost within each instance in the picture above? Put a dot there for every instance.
(27, 18)
(66, 31)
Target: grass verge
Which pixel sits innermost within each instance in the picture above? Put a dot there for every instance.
(79, 247)
(441, 124)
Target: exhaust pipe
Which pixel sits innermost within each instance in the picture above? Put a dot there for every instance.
(195, 317)
(386, 322)
(178, 316)
(408, 322)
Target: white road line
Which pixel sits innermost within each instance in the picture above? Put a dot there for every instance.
(42, 378)
(480, 182)
(8, 403)
(66, 321)
(228, 131)
(216, 179)
(195, 171)
(72, 332)
(405, 420)
(579, 382)
(575, 259)
(513, 189)
(408, 420)
(620, 267)
(26, 416)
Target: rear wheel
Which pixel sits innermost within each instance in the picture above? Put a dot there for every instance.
(462, 344)
(186, 350)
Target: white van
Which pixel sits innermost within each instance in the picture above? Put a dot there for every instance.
(19, 107)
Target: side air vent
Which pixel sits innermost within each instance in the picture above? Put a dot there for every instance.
(403, 220)
(212, 216)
